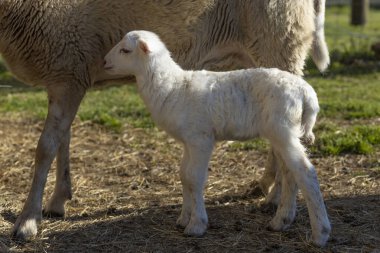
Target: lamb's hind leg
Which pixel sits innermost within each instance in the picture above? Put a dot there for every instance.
(270, 183)
(306, 178)
(286, 209)
(64, 100)
(196, 176)
(55, 207)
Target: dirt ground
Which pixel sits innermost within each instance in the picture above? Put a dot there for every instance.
(127, 197)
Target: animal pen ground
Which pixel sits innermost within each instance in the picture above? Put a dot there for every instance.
(126, 186)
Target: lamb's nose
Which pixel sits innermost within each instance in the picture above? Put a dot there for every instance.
(106, 65)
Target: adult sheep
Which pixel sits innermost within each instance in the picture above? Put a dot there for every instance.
(61, 44)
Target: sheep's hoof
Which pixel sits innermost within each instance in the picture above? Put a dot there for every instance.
(25, 228)
(52, 214)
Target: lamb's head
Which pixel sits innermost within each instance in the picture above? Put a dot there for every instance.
(134, 53)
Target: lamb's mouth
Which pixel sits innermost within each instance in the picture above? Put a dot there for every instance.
(108, 68)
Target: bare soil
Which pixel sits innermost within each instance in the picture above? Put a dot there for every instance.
(127, 196)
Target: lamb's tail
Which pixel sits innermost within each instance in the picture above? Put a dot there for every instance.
(319, 50)
(309, 114)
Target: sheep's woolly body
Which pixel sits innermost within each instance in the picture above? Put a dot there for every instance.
(45, 41)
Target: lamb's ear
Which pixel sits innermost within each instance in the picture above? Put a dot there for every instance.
(143, 46)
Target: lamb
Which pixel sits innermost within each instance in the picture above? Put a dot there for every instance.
(60, 45)
(199, 108)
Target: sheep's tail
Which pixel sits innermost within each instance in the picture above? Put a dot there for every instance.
(309, 114)
(319, 50)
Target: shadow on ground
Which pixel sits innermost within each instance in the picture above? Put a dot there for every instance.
(235, 226)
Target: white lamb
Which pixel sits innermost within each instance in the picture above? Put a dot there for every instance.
(199, 108)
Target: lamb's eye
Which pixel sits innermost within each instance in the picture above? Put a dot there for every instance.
(125, 51)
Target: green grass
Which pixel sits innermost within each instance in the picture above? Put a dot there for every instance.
(30, 103)
(351, 40)
(111, 107)
(355, 139)
(114, 107)
(348, 97)
(349, 92)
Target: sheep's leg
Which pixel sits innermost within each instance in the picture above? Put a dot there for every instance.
(270, 183)
(185, 215)
(196, 175)
(286, 210)
(64, 101)
(55, 207)
(306, 178)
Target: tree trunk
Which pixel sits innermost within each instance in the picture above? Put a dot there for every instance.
(359, 12)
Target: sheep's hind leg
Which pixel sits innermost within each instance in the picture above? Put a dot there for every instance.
(64, 100)
(55, 207)
(196, 175)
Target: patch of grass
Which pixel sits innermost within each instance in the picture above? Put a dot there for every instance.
(34, 104)
(256, 144)
(331, 140)
(342, 97)
(114, 106)
(342, 37)
(111, 107)
(353, 140)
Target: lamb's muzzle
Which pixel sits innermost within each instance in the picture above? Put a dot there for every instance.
(199, 108)
(107, 66)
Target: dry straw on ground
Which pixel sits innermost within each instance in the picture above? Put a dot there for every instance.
(127, 196)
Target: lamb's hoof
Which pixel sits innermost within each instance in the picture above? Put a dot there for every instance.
(184, 219)
(24, 228)
(321, 239)
(280, 224)
(182, 223)
(196, 229)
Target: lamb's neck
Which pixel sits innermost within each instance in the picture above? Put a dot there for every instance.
(157, 83)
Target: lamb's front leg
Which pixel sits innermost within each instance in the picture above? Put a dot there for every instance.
(195, 176)
(184, 218)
